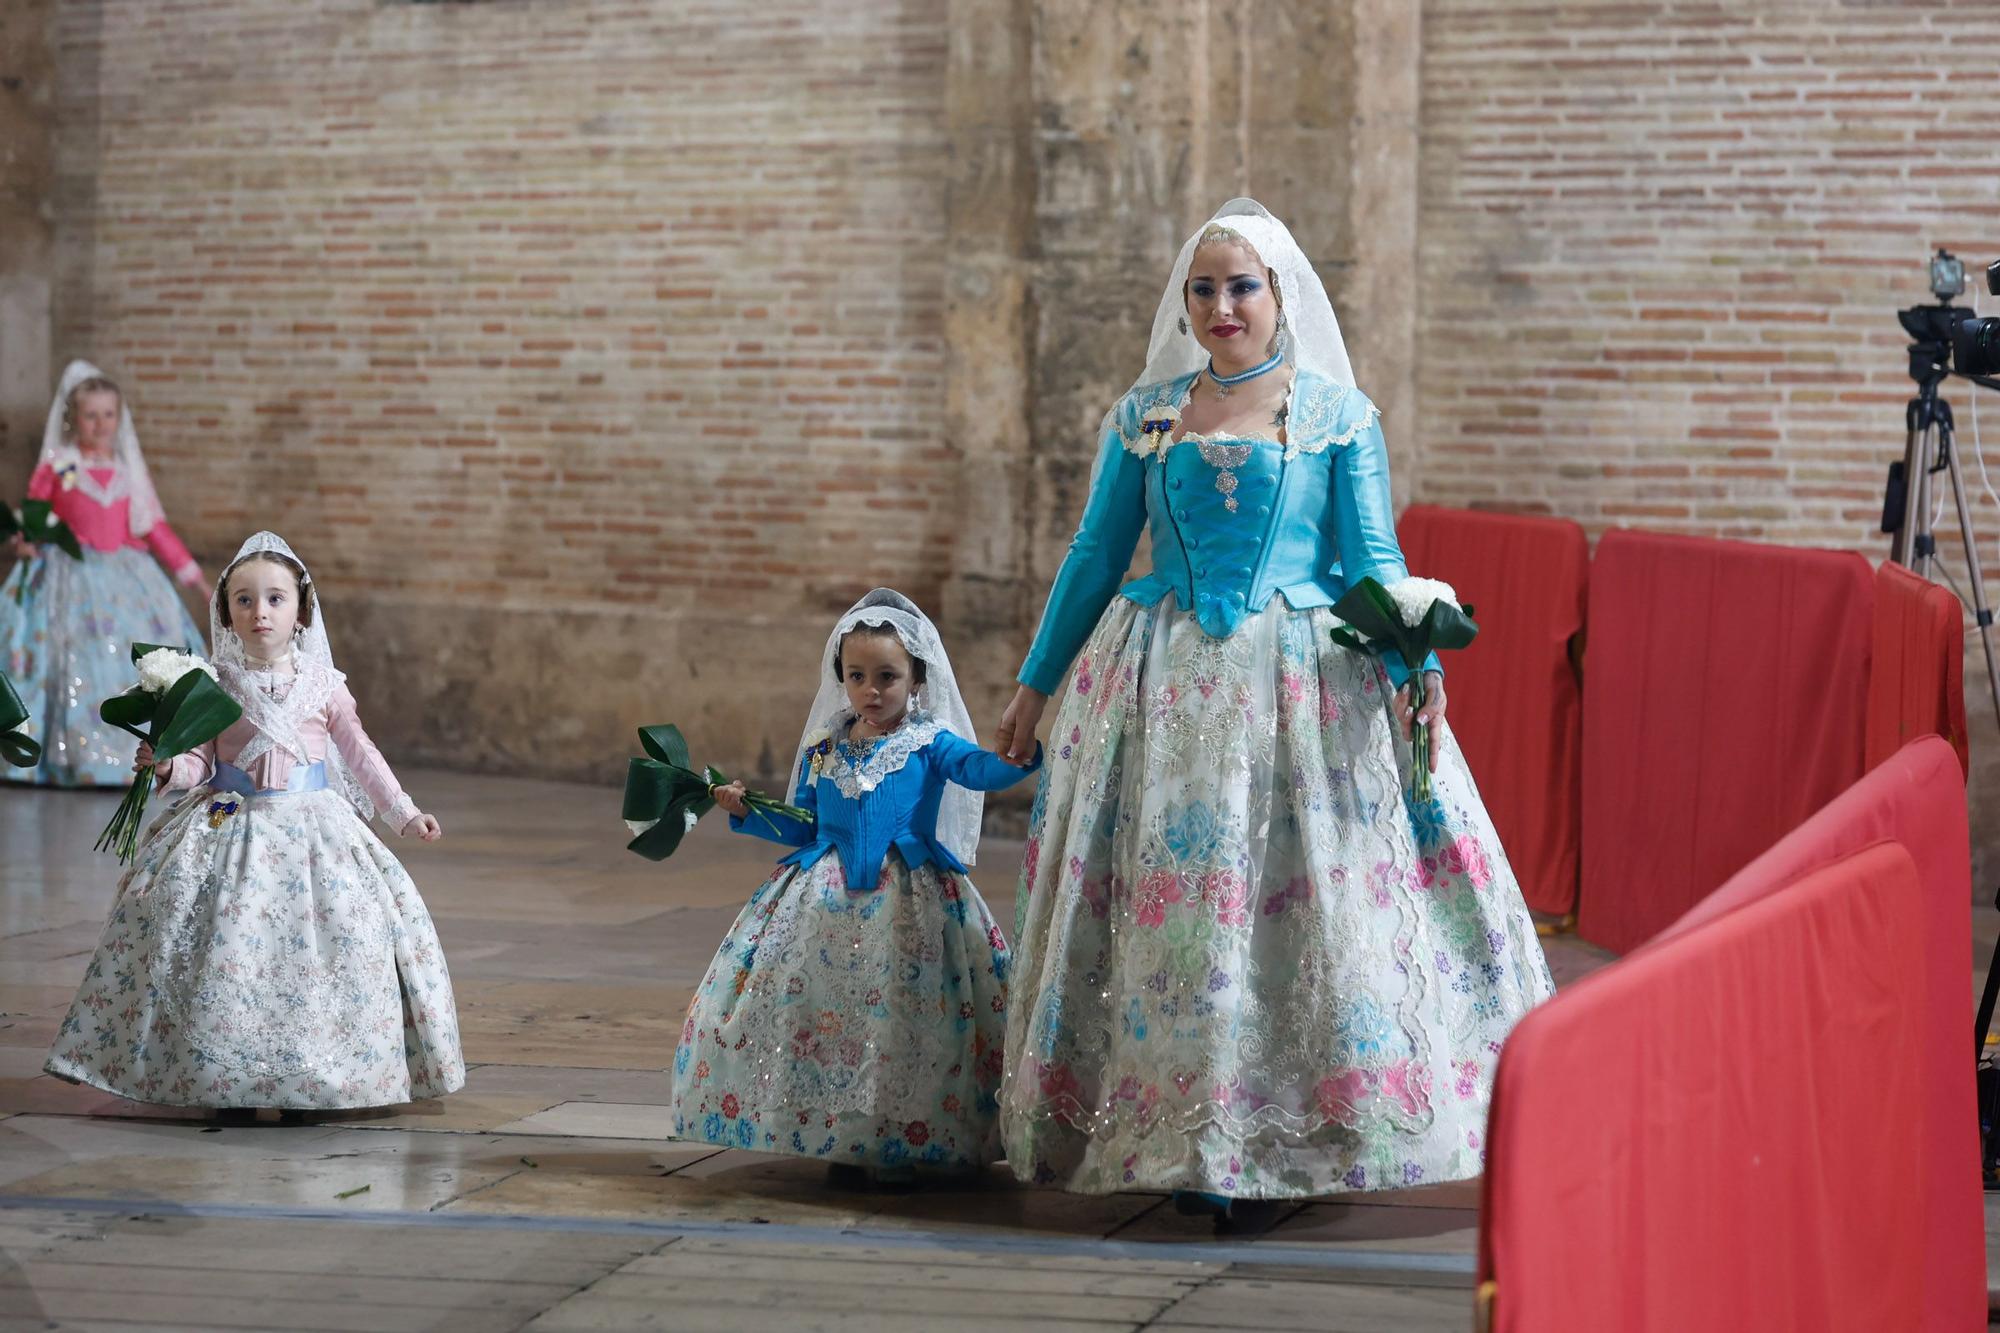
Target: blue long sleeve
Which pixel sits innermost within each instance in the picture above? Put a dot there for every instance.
(1365, 522)
(959, 760)
(1113, 517)
(784, 829)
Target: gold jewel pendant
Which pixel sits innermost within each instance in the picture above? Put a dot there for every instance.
(221, 810)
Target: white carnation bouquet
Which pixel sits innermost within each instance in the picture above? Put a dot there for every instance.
(1411, 618)
(176, 706)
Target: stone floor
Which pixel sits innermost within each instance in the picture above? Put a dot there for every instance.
(546, 1194)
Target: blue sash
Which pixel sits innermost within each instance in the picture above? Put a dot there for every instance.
(304, 778)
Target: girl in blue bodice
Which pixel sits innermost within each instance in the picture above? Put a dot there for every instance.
(856, 1011)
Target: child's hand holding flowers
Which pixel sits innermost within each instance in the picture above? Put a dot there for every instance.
(730, 797)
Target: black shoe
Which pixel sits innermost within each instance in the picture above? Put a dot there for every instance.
(236, 1115)
(847, 1176)
(1193, 1203)
(1249, 1217)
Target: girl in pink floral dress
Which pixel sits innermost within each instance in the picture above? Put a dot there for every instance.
(266, 949)
(67, 626)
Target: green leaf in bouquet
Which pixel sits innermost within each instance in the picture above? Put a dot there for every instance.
(1347, 638)
(660, 841)
(1447, 626)
(131, 711)
(139, 650)
(1368, 607)
(667, 791)
(651, 786)
(195, 711)
(16, 748)
(40, 524)
(667, 745)
(20, 750)
(12, 711)
(10, 522)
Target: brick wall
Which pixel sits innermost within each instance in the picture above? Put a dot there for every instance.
(483, 305)
(1662, 249)
(559, 336)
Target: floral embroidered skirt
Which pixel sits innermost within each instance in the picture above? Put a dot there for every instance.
(1245, 964)
(282, 958)
(67, 646)
(856, 1027)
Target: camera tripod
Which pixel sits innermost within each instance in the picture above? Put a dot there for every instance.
(1930, 447)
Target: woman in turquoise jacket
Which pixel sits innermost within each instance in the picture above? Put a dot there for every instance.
(857, 1009)
(1247, 966)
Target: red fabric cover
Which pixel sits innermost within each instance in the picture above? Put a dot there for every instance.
(1916, 676)
(1916, 797)
(1709, 1134)
(1725, 686)
(1514, 703)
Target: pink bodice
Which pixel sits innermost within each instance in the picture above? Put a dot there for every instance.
(108, 527)
(338, 724)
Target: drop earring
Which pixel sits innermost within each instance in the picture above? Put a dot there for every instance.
(1184, 324)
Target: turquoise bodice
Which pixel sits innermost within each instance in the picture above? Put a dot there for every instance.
(1234, 522)
(886, 796)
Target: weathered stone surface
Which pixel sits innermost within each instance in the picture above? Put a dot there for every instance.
(27, 172)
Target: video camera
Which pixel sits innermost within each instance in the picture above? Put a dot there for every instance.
(1949, 337)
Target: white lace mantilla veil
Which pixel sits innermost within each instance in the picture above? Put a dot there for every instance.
(130, 482)
(1310, 340)
(959, 812)
(277, 720)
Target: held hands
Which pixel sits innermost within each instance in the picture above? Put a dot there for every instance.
(424, 826)
(730, 798)
(1433, 710)
(20, 547)
(145, 757)
(1015, 739)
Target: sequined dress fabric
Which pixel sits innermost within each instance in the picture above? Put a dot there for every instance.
(862, 1026)
(1246, 962)
(66, 633)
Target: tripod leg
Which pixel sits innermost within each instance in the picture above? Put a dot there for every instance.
(1981, 612)
(1986, 1000)
(1916, 456)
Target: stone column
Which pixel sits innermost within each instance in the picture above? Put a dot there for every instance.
(1088, 140)
(1148, 115)
(989, 201)
(27, 237)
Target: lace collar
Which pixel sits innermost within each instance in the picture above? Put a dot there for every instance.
(1312, 408)
(278, 720)
(856, 777)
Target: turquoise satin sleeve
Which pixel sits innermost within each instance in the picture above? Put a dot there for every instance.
(1364, 516)
(1113, 517)
(960, 761)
